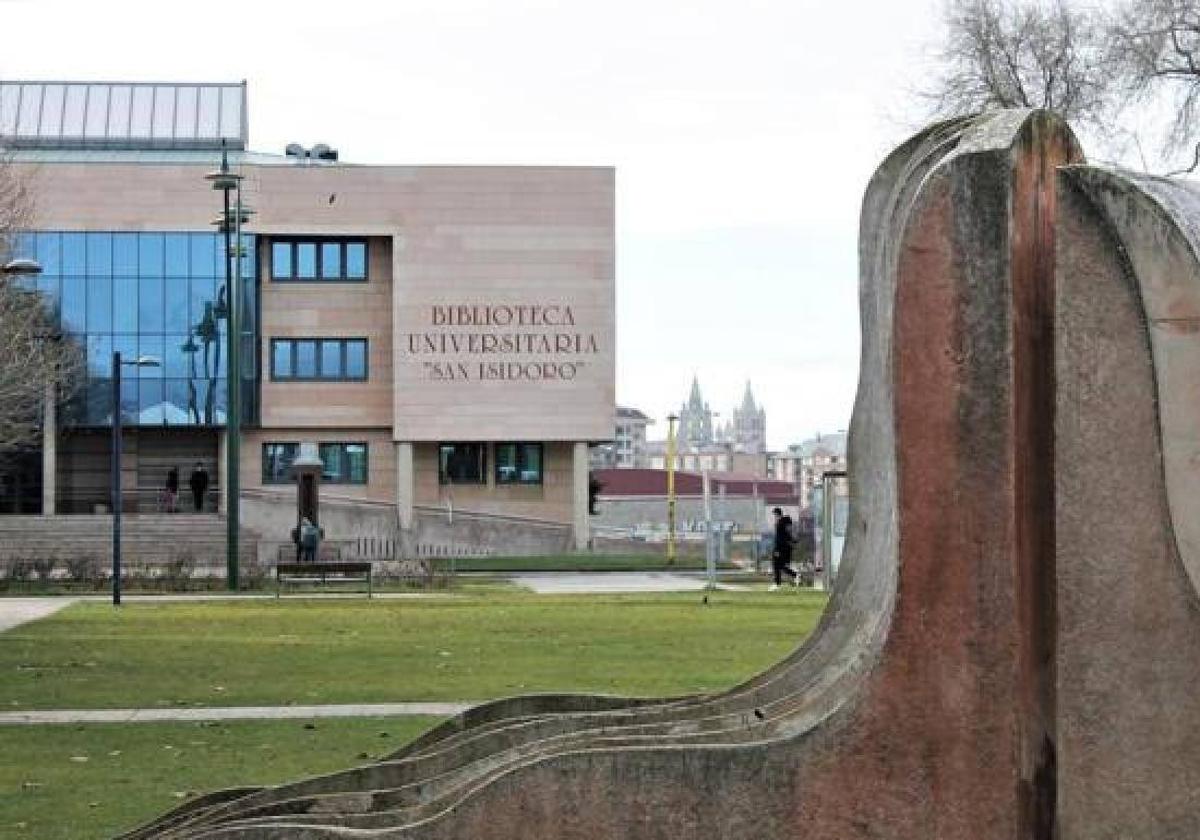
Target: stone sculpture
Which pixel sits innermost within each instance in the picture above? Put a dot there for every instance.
(981, 672)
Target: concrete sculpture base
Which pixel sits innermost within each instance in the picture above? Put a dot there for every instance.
(969, 679)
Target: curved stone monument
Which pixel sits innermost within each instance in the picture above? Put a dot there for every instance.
(951, 690)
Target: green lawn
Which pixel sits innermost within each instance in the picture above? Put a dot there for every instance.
(77, 782)
(469, 647)
(461, 647)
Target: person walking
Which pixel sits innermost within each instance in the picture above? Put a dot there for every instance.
(199, 484)
(171, 493)
(781, 554)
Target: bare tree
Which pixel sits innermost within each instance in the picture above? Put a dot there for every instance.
(1021, 54)
(1153, 47)
(33, 353)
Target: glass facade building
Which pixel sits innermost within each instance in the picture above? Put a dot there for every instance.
(160, 295)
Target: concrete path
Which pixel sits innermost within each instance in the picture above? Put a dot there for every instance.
(43, 716)
(558, 583)
(17, 611)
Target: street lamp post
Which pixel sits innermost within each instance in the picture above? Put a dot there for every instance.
(671, 420)
(140, 361)
(229, 223)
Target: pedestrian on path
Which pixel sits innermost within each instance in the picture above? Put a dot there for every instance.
(199, 484)
(781, 554)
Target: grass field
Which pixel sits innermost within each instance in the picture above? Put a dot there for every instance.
(468, 647)
(80, 782)
(221, 653)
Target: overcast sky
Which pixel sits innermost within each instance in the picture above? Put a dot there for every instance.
(743, 134)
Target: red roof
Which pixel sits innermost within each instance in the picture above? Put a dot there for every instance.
(654, 483)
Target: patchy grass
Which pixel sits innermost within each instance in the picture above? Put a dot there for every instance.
(466, 647)
(93, 781)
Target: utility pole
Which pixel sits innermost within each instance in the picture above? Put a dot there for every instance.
(671, 420)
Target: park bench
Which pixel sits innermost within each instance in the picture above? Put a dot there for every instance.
(323, 572)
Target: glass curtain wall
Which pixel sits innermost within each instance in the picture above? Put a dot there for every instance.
(161, 295)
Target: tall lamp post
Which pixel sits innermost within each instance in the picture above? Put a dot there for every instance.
(671, 420)
(229, 224)
(117, 364)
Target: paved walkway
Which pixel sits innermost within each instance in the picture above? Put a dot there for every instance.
(44, 716)
(558, 583)
(17, 611)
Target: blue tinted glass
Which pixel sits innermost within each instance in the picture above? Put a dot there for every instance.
(356, 260)
(125, 304)
(99, 254)
(306, 260)
(306, 359)
(99, 356)
(176, 300)
(331, 259)
(281, 359)
(92, 406)
(179, 408)
(129, 401)
(249, 256)
(176, 358)
(151, 411)
(48, 286)
(204, 255)
(125, 254)
(99, 304)
(220, 401)
(203, 292)
(151, 347)
(74, 304)
(281, 260)
(150, 254)
(356, 359)
(176, 254)
(49, 252)
(127, 346)
(331, 360)
(74, 253)
(150, 304)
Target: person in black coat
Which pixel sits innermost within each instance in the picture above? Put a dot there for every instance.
(199, 484)
(781, 556)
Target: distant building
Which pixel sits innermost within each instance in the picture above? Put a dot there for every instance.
(695, 429)
(747, 430)
(628, 448)
(817, 456)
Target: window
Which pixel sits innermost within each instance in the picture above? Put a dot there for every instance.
(324, 359)
(518, 463)
(344, 463)
(462, 463)
(319, 259)
(277, 461)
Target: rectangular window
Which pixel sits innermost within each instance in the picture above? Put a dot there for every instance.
(344, 463)
(277, 461)
(325, 359)
(518, 463)
(462, 463)
(306, 260)
(281, 260)
(320, 259)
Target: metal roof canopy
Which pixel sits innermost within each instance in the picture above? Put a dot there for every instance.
(122, 115)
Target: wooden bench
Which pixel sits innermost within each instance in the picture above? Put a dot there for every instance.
(323, 572)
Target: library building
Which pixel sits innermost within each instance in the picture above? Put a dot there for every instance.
(440, 338)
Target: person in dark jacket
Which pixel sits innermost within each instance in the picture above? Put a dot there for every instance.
(199, 484)
(781, 555)
(171, 494)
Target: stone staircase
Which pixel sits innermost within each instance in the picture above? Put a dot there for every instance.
(147, 539)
